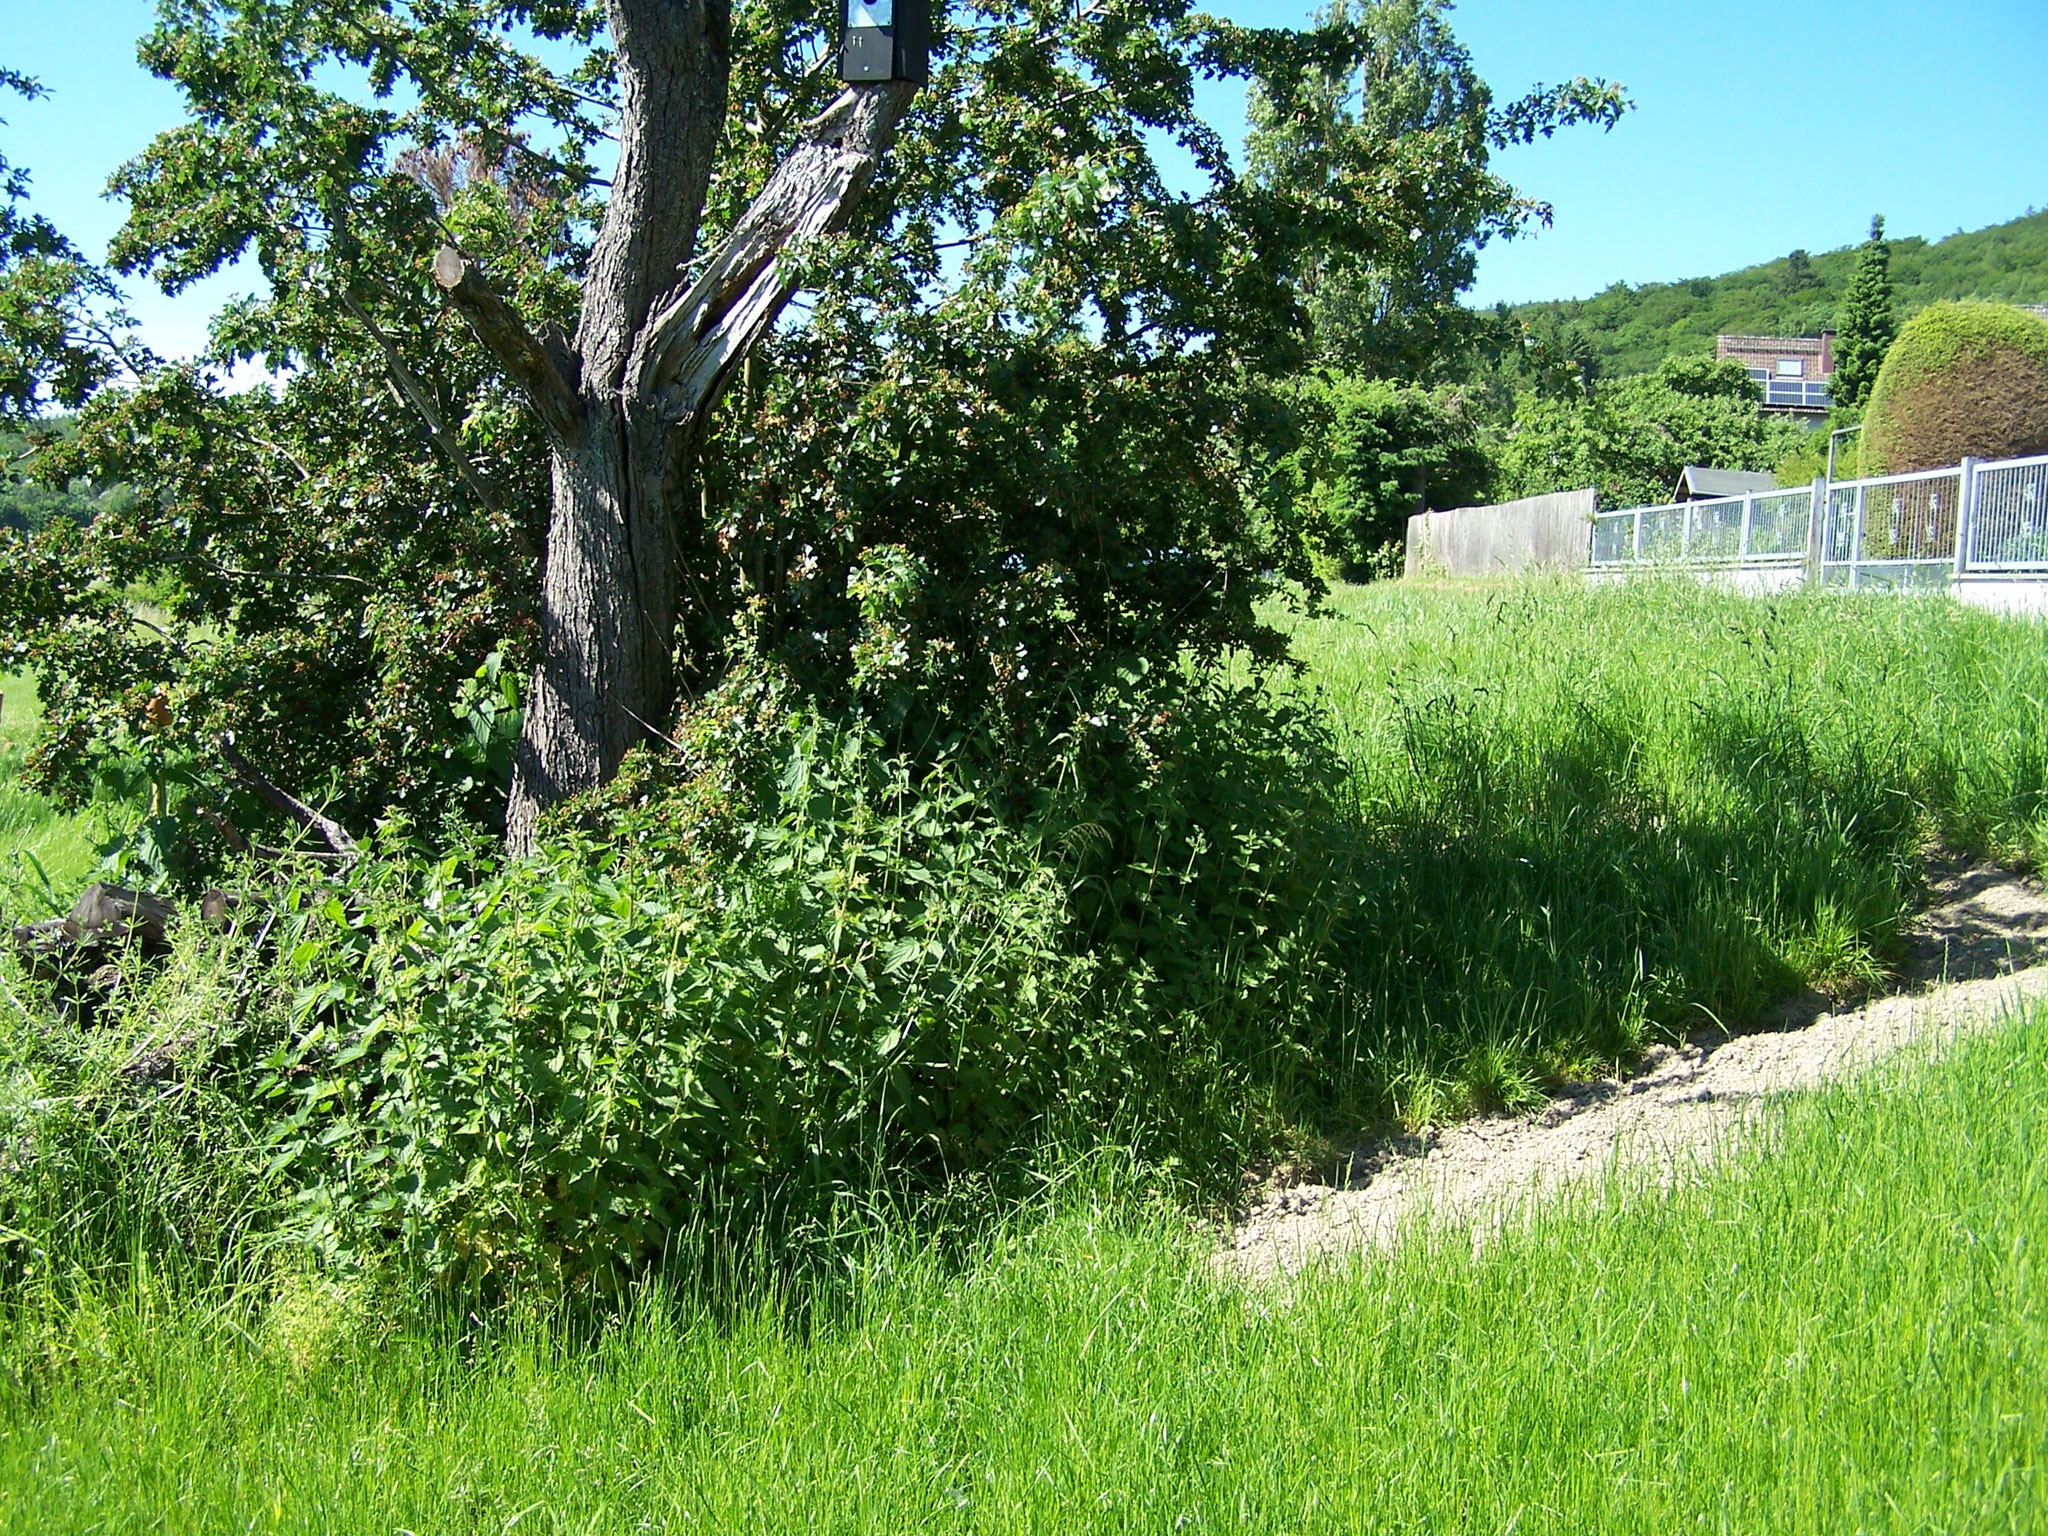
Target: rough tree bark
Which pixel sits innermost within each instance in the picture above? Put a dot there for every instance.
(623, 404)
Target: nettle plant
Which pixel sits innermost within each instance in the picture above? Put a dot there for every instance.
(846, 978)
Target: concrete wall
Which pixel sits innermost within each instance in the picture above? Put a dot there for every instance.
(2020, 597)
(1750, 581)
(1549, 533)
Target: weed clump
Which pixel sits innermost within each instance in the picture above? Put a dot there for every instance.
(786, 972)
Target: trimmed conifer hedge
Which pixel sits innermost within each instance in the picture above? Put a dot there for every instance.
(1962, 379)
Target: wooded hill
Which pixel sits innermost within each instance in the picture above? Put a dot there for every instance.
(1633, 329)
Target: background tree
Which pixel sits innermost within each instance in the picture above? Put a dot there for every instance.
(1557, 358)
(1866, 327)
(1408, 102)
(1633, 436)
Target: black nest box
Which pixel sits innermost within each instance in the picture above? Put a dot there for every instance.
(885, 40)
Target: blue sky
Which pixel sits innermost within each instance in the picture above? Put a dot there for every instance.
(1758, 127)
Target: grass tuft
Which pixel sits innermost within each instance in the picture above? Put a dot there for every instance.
(45, 855)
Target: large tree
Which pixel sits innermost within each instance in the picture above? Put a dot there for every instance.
(1001, 450)
(621, 399)
(1405, 101)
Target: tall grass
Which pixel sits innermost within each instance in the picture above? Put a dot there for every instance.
(1842, 1330)
(44, 854)
(1583, 817)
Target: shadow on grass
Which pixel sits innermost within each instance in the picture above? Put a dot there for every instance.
(1523, 919)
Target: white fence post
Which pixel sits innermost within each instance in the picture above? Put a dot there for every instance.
(1966, 512)
(1639, 535)
(1816, 528)
(1748, 517)
(1856, 544)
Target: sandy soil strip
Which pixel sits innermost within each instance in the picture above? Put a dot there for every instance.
(1980, 949)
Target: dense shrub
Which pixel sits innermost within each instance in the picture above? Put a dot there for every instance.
(1961, 379)
(1371, 451)
(557, 1068)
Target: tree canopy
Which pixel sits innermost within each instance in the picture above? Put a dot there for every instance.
(1006, 449)
(1403, 103)
(61, 333)
(1631, 438)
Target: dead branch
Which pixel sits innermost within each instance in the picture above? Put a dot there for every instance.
(345, 847)
(232, 836)
(689, 348)
(415, 394)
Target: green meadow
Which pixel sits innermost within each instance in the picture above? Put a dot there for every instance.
(1567, 823)
(1843, 1329)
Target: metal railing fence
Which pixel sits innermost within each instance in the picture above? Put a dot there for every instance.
(2008, 524)
(1892, 531)
(1766, 528)
(1903, 531)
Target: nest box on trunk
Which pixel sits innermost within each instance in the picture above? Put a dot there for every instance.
(885, 40)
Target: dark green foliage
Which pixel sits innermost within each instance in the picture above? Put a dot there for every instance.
(1961, 379)
(970, 533)
(1633, 329)
(1558, 358)
(1373, 451)
(1633, 436)
(1867, 325)
(320, 595)
(555, 1070)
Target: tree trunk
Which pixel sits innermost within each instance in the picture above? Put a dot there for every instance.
(608, 608)
(654, 350)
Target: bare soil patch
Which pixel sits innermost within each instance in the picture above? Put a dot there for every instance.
(1980, 948)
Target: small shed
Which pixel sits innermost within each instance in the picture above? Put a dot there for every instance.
(1698, 484)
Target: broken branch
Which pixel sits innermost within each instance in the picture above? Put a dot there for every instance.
(690, 347)
(545, 373)
(415, 395)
